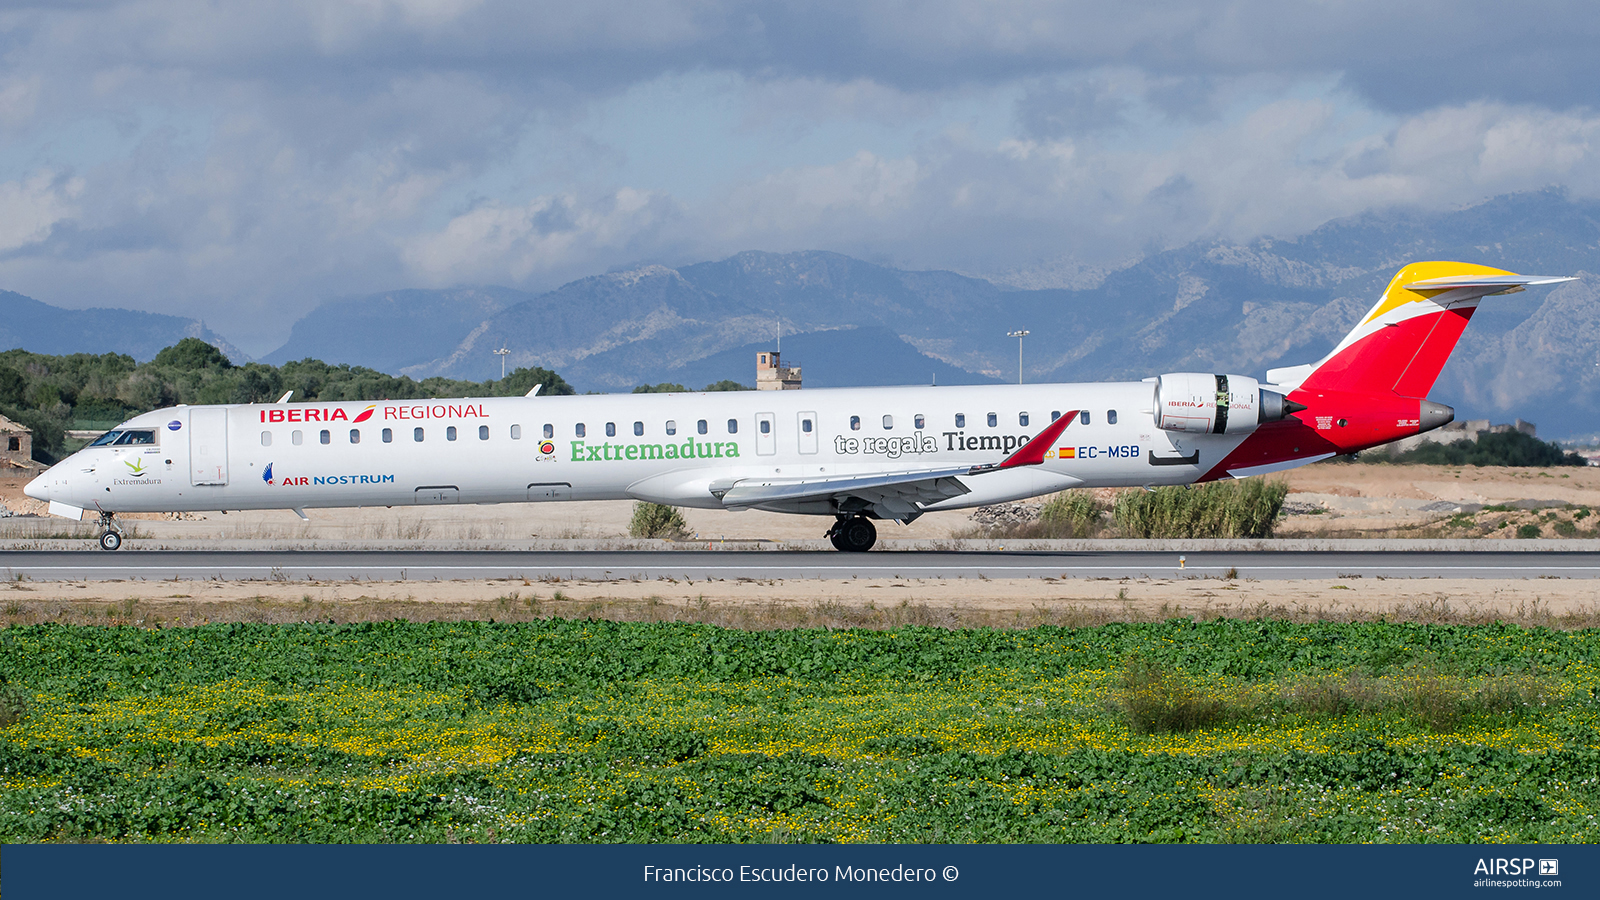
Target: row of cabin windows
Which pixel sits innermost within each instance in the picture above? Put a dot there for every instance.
(417, 434)
(702, 427)
(920, 422)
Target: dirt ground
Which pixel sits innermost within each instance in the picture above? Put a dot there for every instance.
(1561, 603)
(1326, 499)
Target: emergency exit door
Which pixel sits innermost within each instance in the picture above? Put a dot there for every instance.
(208, 446)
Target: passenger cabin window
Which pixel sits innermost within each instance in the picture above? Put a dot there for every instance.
(450, 433)
(297, 438)
(701, 426)
(672, 426)
(549, 431)
(611, 429)
(638, 429)
(1022, 419)
(1084, 417)
(888, 422)
(766, 427)
(1055, 414)
(805, 425)
(733, 426)
(355, 435)
(1111, 417)
(266, 439)
(416, 435)
(388, 435)
(994, 419)
(326, 437)
(961, 420)
(516, 432)
(855, 423)
(579, 430)
(483, 432)
(919, 422)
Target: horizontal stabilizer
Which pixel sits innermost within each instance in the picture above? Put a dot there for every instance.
(1481, 281)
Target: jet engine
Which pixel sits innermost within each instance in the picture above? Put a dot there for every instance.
(1217, 404)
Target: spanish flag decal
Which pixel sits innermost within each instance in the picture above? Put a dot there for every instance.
(1066, 453)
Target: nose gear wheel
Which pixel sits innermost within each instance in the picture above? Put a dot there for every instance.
(110, 535)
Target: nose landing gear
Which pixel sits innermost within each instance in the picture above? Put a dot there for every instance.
(853, 534)
(110, 534)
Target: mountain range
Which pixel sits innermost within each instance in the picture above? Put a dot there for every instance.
(43, 328)
(1208, 306)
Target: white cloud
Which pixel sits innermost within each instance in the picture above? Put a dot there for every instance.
(551, 236)
(30, 208)
(225, 157)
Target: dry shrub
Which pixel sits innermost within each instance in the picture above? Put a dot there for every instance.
(656, 520)
(1158, 699)
(1221, 509)
(1335, 696)
(13, 705)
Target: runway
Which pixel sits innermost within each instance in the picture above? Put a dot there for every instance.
(701, 565)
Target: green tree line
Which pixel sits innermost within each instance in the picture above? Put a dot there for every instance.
(50, 394)
(1511, 448)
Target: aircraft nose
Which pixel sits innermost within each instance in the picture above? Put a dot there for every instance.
(39, 488)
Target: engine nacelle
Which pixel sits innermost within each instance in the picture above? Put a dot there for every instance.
(1216, 404)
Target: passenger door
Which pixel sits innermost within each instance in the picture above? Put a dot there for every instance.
(208, 445)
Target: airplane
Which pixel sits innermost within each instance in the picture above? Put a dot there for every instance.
(855, 455)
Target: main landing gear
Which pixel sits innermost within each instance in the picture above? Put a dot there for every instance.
(853, 534)
(110, 534)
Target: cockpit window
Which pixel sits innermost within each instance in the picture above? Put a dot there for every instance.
(124, 438)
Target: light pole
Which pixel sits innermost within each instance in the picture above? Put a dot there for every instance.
(1019, 335)
(502, 354)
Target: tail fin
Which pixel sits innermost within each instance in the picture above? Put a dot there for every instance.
(1401, 345)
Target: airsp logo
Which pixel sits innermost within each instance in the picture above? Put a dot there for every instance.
(1500, 866)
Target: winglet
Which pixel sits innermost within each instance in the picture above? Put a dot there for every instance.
(1031, 453)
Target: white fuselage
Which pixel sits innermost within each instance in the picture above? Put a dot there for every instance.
(666, 448)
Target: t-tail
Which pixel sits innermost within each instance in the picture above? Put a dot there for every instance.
(1373, 388)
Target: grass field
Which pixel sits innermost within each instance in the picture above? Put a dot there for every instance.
(594, 731)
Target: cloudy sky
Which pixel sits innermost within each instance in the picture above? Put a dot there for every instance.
(244, 160)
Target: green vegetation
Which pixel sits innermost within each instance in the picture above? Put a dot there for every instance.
(1508, 449)
(656, 520)
(1069, 514)
(51, 394)
(1244, 508)
(594, 731)
(667, 387)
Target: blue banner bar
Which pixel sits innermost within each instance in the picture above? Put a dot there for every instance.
(1191, 872)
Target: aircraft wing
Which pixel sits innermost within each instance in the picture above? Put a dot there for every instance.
(913, 486)
(901, 495)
